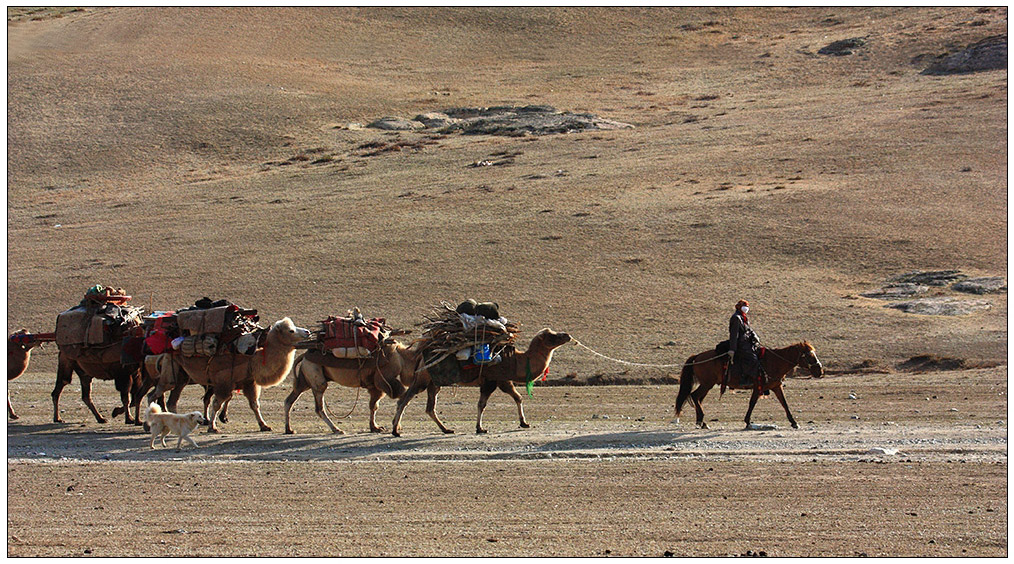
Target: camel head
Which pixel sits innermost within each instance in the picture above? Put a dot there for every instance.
(549, 339)
(286, 332)
(21, 345)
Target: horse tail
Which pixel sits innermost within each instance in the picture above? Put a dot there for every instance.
(686, 384)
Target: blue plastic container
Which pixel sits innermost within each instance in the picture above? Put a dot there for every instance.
(482, 353)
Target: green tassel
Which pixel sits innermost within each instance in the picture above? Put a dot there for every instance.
(529, 379)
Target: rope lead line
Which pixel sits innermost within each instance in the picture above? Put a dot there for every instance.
(584, 346)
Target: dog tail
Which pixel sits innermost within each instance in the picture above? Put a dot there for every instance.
(153, 409)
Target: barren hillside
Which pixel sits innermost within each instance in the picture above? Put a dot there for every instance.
(182, 153)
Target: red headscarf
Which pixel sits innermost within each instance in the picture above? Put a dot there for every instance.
(739, 309)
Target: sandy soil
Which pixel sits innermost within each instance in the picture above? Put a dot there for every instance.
(182, 153)
(916, 464)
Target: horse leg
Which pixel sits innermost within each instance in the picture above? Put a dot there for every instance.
(753, 402)
(508, 388)
(485, 390)
(416, 387)
(698, 397)
(431, 407)
(781, 397)
(253, 395)
(375, 396)
(64, 373)
(299, 385)
(686, 386)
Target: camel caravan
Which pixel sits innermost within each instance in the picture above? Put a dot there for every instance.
(222, 347)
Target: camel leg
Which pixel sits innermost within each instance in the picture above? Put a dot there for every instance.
(781, 397)
(299, 385)
(375, 396)
(124, 387)
(753, 402)
(64, 373)
(431, 407)
(209, 393)
(414, 389)
(485, 390)
(174, 400)
(698, 397)
(10, 410)
(253, 394)
(321, 408)
(86, 395)
(508, 388)
(221, 397)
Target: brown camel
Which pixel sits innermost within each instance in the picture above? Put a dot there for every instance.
(102, 363)
(161, 374)
(19, 352)
(518, 367)
(379, 376)
(228, 371)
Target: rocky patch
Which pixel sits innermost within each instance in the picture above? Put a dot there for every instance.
(987, 54)
(897, 291)
(843, 47)
(930, 278)
(510, 121)
(943, 305)
(988, 285)
(901, 289)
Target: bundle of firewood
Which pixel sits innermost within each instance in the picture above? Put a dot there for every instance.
(445, 332)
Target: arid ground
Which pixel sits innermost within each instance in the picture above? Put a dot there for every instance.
(181, 153)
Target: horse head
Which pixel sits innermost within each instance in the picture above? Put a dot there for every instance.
(808, 358)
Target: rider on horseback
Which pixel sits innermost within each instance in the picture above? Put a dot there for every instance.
(743, 346)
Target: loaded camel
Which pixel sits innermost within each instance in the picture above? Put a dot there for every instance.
(102, 363)
(19, 352)
(379, 376)
(706, 370)
(161, 374)
(227, 371)
(517, 367)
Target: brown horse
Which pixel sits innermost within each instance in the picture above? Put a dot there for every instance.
(706, 369)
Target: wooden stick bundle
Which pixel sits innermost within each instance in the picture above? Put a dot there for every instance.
(444, 334)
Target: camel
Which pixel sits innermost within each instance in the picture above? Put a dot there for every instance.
(518, 367)
(19, 353)
(102, 363)
(228, 371)
(379, 376)
(161, 374)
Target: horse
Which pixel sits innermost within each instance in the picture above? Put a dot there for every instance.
(706, 369)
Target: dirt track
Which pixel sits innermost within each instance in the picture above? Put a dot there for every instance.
(588, 479)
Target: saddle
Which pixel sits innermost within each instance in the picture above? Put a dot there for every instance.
(322, 358)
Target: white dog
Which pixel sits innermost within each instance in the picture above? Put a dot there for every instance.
(162, 423)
